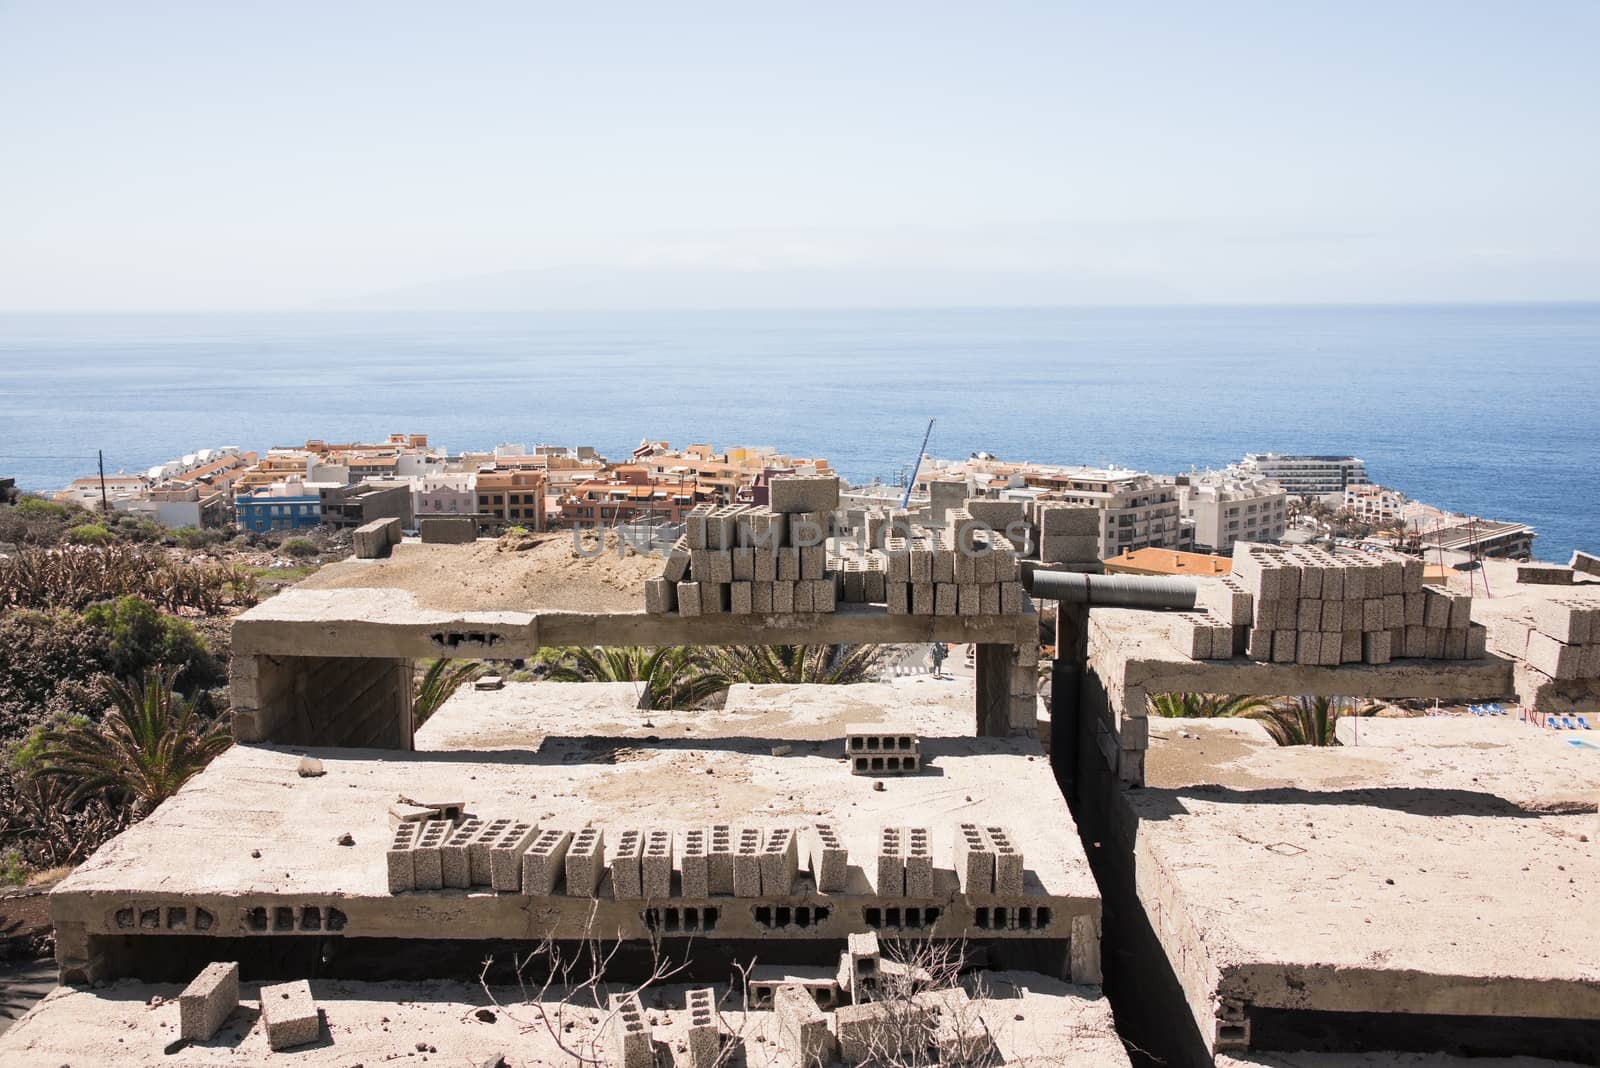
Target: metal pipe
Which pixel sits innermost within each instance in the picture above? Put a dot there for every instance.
(1111, 591)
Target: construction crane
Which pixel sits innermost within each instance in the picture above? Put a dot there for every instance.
(905, 500)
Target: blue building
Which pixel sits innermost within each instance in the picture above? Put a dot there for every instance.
(263, 511)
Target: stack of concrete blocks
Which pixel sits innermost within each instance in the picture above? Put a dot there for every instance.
(399, 858)
(290, 1014)
(754, 560)
(829, 859)
(1202, 636)
(206, 1003)
(882, 749)
(705, 1036)
(988, 862)
(1068, 534)
(1314, 608)
(1556, 643)
(964, 569)
(627, 1039)
(765, 979)
(894, 1031)
(862, 573)
(959, 1033)
(804, 1027)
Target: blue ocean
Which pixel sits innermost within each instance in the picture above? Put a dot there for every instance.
(1489, 410)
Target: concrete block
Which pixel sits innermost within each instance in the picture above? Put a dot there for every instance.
(813, 562)
(689, 599)
(873, 586)
(865, 960)
(1545, 574)
(1013, 599)
(761, 598)
(704, 1034)
(944, 599)
(1008, 865)
(1436, 602)
(921, 554)
(1394, 610)
(878, 1032)
(505, 855)
(922, 599)
(1478, 642)
(744, 564)
(788, 558)
(374, 539)
(427, 857)
(655, 866)
(765, 565)
(585, 863)
(1545, 654)
(747, 863)
(290, 1014)
(208, 1001)
(741, 598)
(969, 600)
(804, 593)
(1415, 644)
(897, 597)
(1310, 617)
(1069, 548)
(400, 860)
(1259, 644)
(1059, 518)
(1436, 644)
(694, 863)
(660, 596)
(803, 1025)
(1565, 619)
(824, 595)
(545, 862)
(919, 862)
(676, 568)
(780, 862)
(891, 881)
(783, 598)
(1308, 648)
(1330, 648)
(829, 859)
(478, 847)
(1284, 644)
(1332, 616)
(711, 565)
(989, 599)
(627, 1036)
(809, 529)
(627, 874)
(1191, 633)
(1415, 608)
(963, 570)
(455, 855)
(719, 860)
(1376, 647)
(789, 494)
(448, 530)
(1288, 614)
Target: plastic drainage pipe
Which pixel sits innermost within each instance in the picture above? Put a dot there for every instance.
(1111, 591)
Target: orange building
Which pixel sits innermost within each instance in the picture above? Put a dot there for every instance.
(1168, 562)
(515, 495)
(628, 494)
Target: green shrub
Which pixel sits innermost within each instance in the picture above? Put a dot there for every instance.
(138, 637)
(299, 547)
(14, 870)
(90, 534)
(39, 508)
(198, 537)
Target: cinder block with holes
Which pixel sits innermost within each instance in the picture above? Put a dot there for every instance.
(1008, 864)
(478, 850)
(427, 857)
(780, 862)
(627, 880)
(400, 858)
(545, 861)
(705, 1036)
(627, 1039)
(882, 749)
(694, 863)
(585, 862)
(719, 860)
(829, 859)
(747, 863)
(655, 865)
(975, 860)
(505, 855)
(919, 862)
(803, 1025)
(455, 857)
(891, 863)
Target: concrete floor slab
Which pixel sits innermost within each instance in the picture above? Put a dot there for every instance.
(1438, 869)
(1383, 1059)
(1035, 1020)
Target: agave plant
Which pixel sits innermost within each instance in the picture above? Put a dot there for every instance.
(442, 679)
(794, 664)
(1310, 720)
(145, 748)
(1205, 705)
(671, 676)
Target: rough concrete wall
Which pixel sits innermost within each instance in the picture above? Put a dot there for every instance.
(345, 702)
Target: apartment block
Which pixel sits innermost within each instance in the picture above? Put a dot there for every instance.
(1225, 507)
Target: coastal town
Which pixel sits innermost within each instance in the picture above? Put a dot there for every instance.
(1265, 497)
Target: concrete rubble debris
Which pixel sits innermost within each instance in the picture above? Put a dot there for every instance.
(290, 1014)
(803, 1025)
(865, 958)
(208, 1001)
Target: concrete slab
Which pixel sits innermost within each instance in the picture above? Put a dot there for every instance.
(1382, 1059)
(252, 843)
(1035, 1020)
(1438, 869)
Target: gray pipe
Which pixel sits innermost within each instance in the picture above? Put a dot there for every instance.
(1111, 591)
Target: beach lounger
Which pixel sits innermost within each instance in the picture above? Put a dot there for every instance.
(1584, 723)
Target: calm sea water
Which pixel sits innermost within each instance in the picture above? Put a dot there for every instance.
(1491, 410)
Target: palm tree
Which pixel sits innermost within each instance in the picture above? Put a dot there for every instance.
(144, 749)
(829, 665)
(1310, 720)
(442, 679)
(671, 676)
(1204, 705)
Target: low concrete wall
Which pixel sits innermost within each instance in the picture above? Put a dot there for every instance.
(376, 538)
(344, 702)
(449, 530)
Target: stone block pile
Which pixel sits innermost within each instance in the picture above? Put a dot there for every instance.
(1558, 638)
(778, 559)
(1311, 607)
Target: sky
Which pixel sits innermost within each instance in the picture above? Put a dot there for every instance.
(288, 155)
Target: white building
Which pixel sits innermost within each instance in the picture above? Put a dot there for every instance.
(1374, 503)
(1307, 476)
(1229, 506)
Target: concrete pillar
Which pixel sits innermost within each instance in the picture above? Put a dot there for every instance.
(993, 690)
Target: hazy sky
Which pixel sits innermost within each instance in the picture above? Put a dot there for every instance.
(284, 154)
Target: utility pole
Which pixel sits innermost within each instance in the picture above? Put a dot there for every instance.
(105, 506)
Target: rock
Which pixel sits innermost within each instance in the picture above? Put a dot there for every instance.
(310, 768)
(347, 839)
(878, 785)
(486, 1015)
